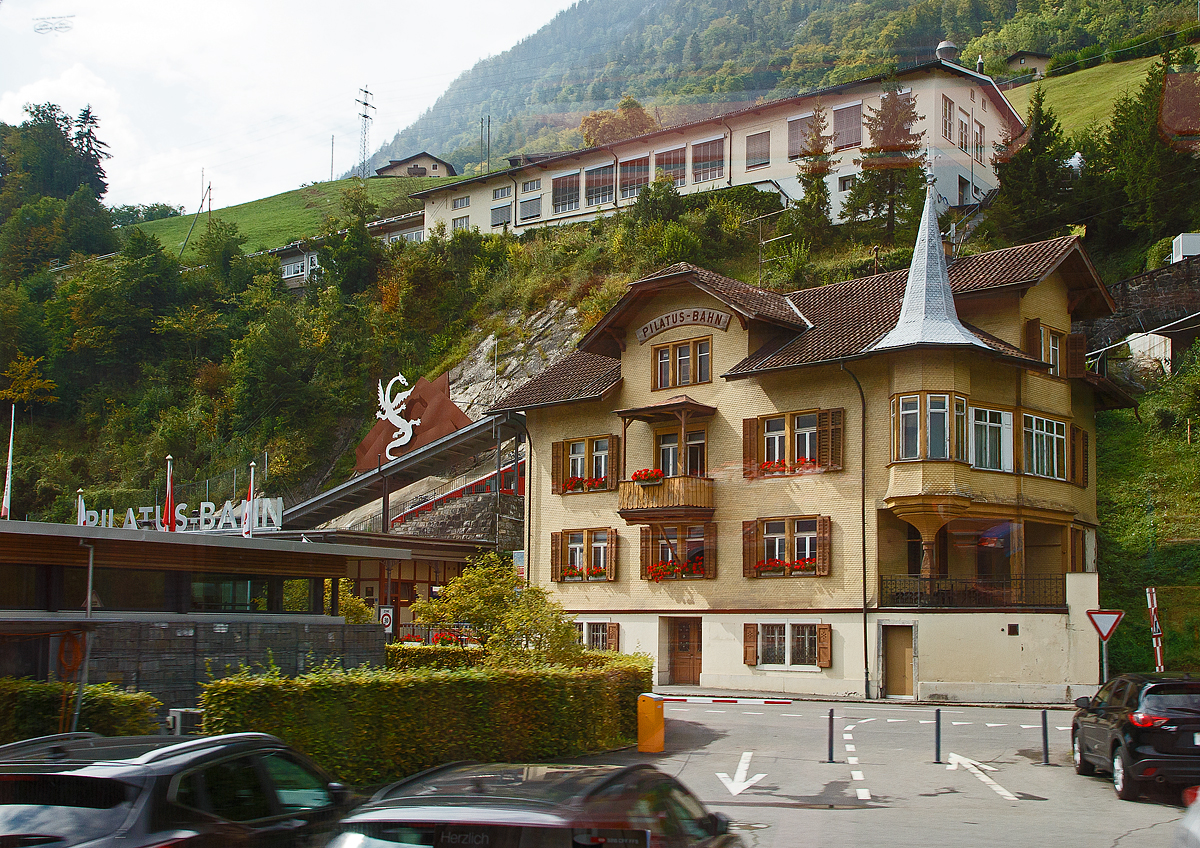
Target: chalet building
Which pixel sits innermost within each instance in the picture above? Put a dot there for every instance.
(419, 165)
(962, 112)
(1027, 62)
(881, 487)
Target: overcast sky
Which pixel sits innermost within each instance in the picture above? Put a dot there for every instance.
(248, 91)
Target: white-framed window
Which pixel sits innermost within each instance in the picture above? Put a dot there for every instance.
(1045, 447)
(804, 539)
(501, 215)
(461, 202)
(635, 175)
(574, 569)
(798, 130)
(962, 441)
(531, 208)
(1052, 350)
(600, 185)
(293, 269)
(991, 439)
(668, 544)
(673, 164)
(758, 149)
(600, 458)
(463, 223)
(909, 444)
(804, 429)
(598, 564)
(963, 129)
(708, 160)
(668, 453)
(566, 193)
(697, 450)
(781, 644)
(585, 464)
(577, 459)
(531, 185)
(775, 540)
(502, 192)
(416, 236)
(980, 142)
(847, 126)
(846, 183)
(938, 414)
(775, 440)
(947, 118)
(682, 363)
(312, 262)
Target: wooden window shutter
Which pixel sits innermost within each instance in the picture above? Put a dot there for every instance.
(710, 550)
(1084, 474)
(1033, 338)
(750, 644)
(610, 556)
(824, 645)
(1076, 355)
(614, 461)
(824, 545)
(614, 636)
(830, 438)
(556, 467)
(1073, 469)
(647, 545)
(749, 547)
(749, 447)
(556, 557)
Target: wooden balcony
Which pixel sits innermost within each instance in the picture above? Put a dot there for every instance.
(672, 499)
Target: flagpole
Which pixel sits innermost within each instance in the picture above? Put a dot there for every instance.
(6, 503)
(248, 511)
(169, 506)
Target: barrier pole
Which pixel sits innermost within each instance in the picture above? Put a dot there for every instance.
(937, 735)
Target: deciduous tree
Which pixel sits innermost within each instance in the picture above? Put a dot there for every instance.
(606, 126)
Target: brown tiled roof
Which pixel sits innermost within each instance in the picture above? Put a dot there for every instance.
(747, 299)
(848, 318)
(577, 376)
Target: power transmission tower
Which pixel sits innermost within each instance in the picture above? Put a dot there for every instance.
(365, 135)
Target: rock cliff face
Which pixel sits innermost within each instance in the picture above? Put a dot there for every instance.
(537, 340)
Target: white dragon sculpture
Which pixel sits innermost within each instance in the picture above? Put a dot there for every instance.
(390, 409)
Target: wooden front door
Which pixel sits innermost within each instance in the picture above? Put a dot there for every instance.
(898, 661)
(684, 650)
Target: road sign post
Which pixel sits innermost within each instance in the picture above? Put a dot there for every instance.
(1155, 628)
(385, 618)
(1105, 622)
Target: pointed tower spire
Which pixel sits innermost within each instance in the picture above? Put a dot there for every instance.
(927, 315)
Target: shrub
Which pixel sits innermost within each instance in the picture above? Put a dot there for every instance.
(369, 726)
(411, 657)
(679, 244)
(31, 708)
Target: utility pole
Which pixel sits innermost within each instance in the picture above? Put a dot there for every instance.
(365, 135)
(331, 158)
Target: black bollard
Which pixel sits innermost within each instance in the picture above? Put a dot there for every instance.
(1045, 740)
(937, 735)
(830, 760)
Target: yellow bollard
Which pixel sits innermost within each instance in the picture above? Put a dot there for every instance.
(651, 725)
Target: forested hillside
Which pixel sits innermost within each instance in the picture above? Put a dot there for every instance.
(688, 58)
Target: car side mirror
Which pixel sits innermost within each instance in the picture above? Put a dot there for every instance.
(718, 824)
(1083, 703)
(339, 793)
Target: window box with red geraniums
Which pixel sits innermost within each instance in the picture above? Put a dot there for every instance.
(571, 572)
(770, 567)
(647, 476)
(804, 463)
(595, 483)
(807, 565)
(597, 572)
(663, 569)
(574, 484)
(693, 566)
(776, 467)
(411, 637)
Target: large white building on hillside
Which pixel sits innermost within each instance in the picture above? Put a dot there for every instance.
(962, 115)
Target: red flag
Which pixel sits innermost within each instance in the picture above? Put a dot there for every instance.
(169, 506)
(248, 509)
(5, 504)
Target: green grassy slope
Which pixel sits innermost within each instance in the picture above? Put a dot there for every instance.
(1085, 97)
(284, 218)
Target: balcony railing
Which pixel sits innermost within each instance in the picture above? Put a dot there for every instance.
(897, 590)
(683, 497)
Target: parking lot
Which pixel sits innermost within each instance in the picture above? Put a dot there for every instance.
(765, 766)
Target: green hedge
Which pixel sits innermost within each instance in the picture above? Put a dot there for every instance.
(369, 726)
(403, 657)
(31, 708)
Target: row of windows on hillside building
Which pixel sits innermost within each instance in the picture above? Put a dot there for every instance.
(601, 185)
(783, 546)
(971, 134)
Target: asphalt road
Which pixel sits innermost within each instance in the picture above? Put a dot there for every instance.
(884, 787)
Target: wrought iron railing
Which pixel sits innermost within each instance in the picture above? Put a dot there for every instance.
(896, 590)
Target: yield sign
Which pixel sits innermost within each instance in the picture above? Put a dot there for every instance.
(1105, 621)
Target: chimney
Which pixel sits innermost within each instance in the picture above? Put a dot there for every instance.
(979, 64)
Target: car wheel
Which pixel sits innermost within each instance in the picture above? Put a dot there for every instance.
(1082, 765)
(1126, 787)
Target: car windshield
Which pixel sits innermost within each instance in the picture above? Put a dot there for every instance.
(1178, 697)
(408, 835)
(72, 808)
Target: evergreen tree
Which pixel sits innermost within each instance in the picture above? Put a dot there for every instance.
(815, 166)
(1034, 178)
(892, 183)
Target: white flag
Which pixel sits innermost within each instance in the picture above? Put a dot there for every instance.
(6, 503)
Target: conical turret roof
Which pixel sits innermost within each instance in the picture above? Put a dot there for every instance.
(927, 314)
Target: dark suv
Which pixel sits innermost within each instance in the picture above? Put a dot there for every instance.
(1140, 727)
(240, 789)
(536, 806)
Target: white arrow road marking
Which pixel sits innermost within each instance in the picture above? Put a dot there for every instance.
(976, 768)
(848, 727)
(740, 783)
(865, 720)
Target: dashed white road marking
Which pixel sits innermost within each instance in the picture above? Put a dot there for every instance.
(926, 721)
(957, 723)
(1029, 726)
(995, 725)
(853, 761)
(792, 715)
(857, 775)
(850, 748)
(679, 709)
(847, 735)
(864, 794)
(894, 720)
(751, 713)
(1064, 728)
(714, 711)
(865, 720)
(848, 727)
